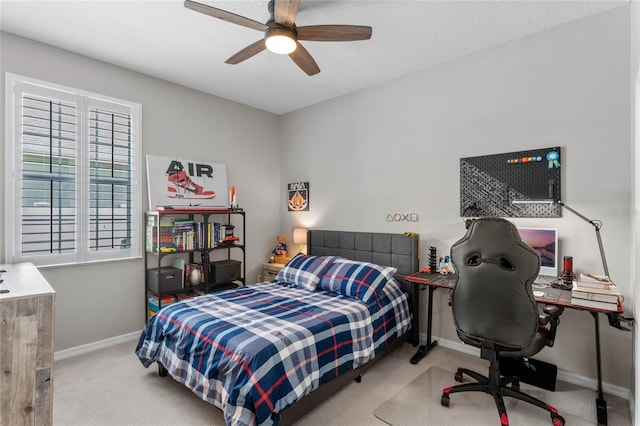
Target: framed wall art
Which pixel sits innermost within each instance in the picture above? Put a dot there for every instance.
(298, 196)
(179, 182)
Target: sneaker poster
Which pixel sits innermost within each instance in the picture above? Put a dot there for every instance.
(177, 182)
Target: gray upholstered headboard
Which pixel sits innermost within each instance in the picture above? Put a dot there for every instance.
(397, 250)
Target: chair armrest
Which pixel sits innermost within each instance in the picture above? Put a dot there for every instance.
(551, 314)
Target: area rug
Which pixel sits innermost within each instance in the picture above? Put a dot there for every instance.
(419, 404)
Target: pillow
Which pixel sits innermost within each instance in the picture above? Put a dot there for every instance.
(304, 271)
(361, 280)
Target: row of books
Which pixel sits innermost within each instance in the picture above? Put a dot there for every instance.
(154, 304)
(595, 291)
(172, 234)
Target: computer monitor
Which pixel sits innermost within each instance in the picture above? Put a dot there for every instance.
(545, 242)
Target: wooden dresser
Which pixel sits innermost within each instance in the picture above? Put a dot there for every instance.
(26, 346)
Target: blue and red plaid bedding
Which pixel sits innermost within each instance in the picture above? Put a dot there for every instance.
(254, 350)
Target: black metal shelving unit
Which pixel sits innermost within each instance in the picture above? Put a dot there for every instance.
(154, 256)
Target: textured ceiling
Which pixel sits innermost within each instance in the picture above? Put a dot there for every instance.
(166, 40)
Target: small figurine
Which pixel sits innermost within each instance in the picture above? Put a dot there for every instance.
(445, 266)
(232, 198)
(281, 247)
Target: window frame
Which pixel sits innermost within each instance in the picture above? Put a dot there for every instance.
(15, 87)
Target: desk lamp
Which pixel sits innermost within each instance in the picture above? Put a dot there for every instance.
(597, 224)
(616, 317)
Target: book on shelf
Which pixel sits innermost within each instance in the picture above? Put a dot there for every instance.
(609, 294)
(184, 235)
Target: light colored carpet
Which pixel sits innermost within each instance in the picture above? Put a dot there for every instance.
(419, 403)
(111, 387)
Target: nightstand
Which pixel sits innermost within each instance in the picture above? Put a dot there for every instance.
(270, 271)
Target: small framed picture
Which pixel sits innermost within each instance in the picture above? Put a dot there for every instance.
(298, 196)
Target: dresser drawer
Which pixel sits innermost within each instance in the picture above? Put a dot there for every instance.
(270, 271)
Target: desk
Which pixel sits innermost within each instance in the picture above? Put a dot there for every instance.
(436, 281)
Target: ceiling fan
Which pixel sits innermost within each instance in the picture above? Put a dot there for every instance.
(281, 35)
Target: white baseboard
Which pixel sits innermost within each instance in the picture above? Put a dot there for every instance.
(572, 378)
(94, 346)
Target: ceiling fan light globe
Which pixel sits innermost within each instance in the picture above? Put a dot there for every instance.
(280, 44)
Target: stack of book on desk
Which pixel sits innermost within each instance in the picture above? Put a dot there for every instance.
(595, 291)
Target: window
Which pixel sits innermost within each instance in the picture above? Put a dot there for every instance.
(73, 172)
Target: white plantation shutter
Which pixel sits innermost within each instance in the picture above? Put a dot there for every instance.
(73, 175)
(48, 181)
(110, 172)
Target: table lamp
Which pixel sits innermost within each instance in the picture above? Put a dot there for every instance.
(300, 238)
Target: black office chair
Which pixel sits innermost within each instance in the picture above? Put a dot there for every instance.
(494, 309)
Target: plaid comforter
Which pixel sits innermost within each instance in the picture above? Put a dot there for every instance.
(254, 350)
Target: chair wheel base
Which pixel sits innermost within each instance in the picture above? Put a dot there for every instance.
(557, 420)
(499, 387)
(515, 384)
(445, 401)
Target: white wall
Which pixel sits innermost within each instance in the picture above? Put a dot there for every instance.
(396, 148)
(634, 117)
(101, 301)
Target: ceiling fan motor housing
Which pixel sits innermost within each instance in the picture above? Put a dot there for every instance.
(277, 29)
(286, 38)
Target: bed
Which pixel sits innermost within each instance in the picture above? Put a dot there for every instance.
(266, 354)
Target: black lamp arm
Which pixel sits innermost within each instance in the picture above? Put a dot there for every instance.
(597, 225)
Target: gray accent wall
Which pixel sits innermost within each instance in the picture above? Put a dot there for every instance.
(395, 148)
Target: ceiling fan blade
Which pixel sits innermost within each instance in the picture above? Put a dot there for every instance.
(303, 59)
(247, 52)
(224, 15)
(285, 12)
(334, 32)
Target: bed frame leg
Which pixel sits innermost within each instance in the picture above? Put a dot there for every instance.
(162, 372)
(359, 378)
